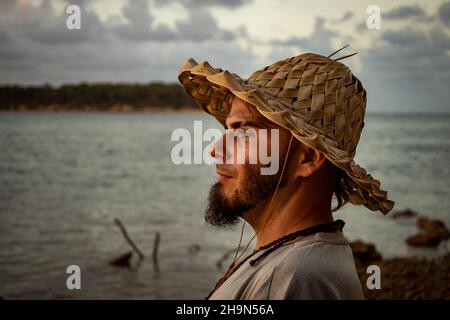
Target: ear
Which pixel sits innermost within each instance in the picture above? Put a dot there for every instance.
(309, 161)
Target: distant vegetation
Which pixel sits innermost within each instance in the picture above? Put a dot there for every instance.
(103, 97)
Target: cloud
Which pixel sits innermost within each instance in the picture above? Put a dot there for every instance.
(37, 47)
(139, 24)
(222, 3)
(319, 41)
(345, 17)
(404, 37)
(400, 13)
(231, 4)
(200, 25)
(404, 12)
(409, 69)
(404, 66)
(412, 43)
(444, 14)
(42, 24)
(361, 27)
(117, 62)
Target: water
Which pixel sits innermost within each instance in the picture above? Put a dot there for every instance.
(64, 177)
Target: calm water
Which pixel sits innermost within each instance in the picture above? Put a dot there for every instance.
(64, 177)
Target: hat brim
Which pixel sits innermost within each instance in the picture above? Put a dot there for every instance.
(214, 90)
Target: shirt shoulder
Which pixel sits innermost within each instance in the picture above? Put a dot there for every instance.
(318, 267)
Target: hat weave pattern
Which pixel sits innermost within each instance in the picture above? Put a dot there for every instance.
(316, 98)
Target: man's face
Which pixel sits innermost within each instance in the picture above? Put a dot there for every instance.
(241, 187)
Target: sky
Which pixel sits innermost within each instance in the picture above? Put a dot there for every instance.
(404, 65)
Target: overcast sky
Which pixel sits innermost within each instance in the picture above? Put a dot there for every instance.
(404, 65)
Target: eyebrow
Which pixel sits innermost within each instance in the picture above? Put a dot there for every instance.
(238, 124)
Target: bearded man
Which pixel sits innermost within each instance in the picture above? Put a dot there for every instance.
(316, 106)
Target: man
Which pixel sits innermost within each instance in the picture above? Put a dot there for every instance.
(318, 108)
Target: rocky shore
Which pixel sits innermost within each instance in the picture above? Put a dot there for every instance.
(408, 278)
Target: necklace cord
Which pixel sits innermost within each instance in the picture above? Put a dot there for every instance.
(335, 226)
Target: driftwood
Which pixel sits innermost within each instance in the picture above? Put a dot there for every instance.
(155, 250)
(128, 239)
(123, 260)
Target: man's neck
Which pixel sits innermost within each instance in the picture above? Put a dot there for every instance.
(289, 212)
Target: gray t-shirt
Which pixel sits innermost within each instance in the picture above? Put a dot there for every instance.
(319, 266)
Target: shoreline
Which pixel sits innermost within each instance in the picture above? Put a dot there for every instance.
(114, 108)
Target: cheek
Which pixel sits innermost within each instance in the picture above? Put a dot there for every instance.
(240, 171)
(247, 173)
(247, 151)
(267, 145)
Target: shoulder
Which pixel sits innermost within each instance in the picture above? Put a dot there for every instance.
(321, 267)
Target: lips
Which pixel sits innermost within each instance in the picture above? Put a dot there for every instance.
(223, 175)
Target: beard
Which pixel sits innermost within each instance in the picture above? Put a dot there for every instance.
(255, 189)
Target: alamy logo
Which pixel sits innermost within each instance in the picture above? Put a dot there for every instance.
(373, 21)
(73, 21)
(374, 280)
(235, 146)
(74, 280)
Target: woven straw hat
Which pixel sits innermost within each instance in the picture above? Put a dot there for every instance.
(316, 98)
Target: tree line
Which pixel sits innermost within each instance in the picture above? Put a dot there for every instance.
(101, 96)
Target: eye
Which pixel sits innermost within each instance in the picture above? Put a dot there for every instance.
(250, 132)
(246, 133)
(242, 133)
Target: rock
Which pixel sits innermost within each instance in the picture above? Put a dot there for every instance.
(364, 252)
(123, 260)
(433, 232)
(423, 240)
(407, 213)
(434, 227)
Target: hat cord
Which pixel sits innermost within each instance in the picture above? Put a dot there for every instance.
(268, 207)
(344, 57)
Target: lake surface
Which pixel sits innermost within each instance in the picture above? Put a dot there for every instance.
(64, 177)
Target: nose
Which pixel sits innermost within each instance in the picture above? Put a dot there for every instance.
(218, 150)
(212, 152)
